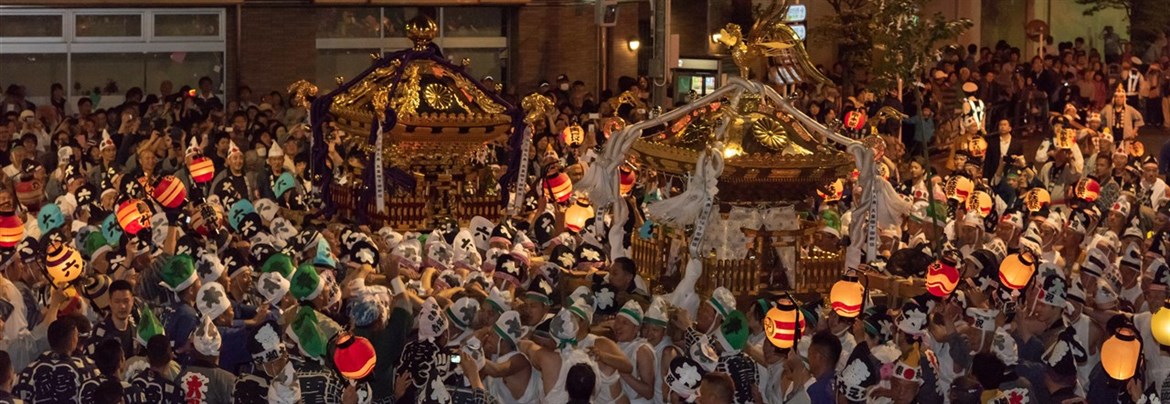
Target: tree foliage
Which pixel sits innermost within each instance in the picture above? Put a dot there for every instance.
(1146, 17)
(906, 43)
(887, 40)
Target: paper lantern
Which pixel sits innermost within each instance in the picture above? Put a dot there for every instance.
(959, 188)
(577, 214)
(133, 216)
(781, 323)
(980, 202)
(628, 177)
(63, 264)
(354, 357)
(1134, 148)
(854, 120)
(1016, 270)
(942, 277)
(1160, 324)
(11, 229)
(832, 192)
(573, 135)
(1087, 189)
(170, 192)
(202, 169)
(977, 147)
(559, 185)
(1120, 353)
(1036, 199)
(847, 296)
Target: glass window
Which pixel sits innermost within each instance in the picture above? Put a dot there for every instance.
(484, 62)
(37, 72)
(102, 25)
(107, 73)
(348, 22)
(395, 19)
(186, 25)
(347, 63)
(473, 22)
(27, 26)
(183, 69)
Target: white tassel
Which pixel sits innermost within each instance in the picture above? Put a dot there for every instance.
(617, 231)
(890, 205)
(683, 209)
(684, 296)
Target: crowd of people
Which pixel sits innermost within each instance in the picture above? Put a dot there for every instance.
(169, 250)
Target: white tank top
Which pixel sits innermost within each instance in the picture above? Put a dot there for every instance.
(631, 351)
(658, 351)
(574, 355)
(497, 387)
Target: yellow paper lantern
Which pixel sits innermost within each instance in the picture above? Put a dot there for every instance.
(1120, 353)
(573, 135)
(959, 188)
(981, 203)
(782, 322)
(977, 147)
(1036, 199)
(577, 214)
(1160, 324)
(847, 296)
(832, 192)
(1016, 270)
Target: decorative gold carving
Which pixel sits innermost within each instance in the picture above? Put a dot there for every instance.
(535, 107)
(301, 90)
(406, 96)
(439, 97)
(421, 30)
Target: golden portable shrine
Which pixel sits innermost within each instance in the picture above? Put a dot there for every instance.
(419, 126)
(773, 158)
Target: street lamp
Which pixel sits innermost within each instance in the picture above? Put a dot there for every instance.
(634, 44)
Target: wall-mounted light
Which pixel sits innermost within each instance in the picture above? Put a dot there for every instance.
(634, 44)
(716, 37)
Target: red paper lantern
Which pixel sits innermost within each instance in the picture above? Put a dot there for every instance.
(1087, 189)
(202, 169)
(559, 186)
(628, 177)
(854, 120)
(133, 216)
(170, 192)
(942, 277)
(11, 230)
(354, 357)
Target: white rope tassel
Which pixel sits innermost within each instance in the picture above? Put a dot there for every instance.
(617, 230)
(683, 209)
(379, 175)
(521, 188)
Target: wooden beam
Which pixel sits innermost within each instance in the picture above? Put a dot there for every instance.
(447, 2)
(119, 3)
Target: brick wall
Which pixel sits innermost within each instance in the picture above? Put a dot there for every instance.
(278, 47)
(555, 39)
